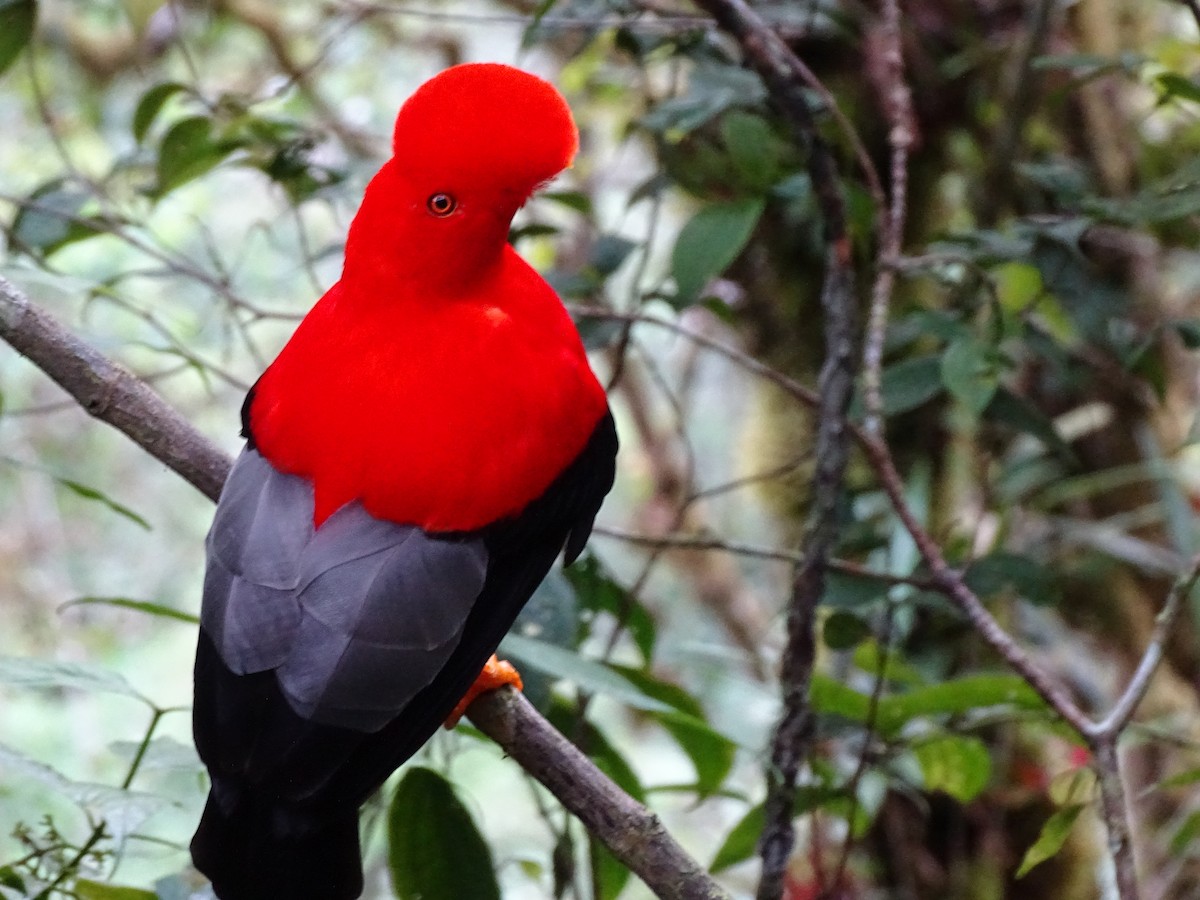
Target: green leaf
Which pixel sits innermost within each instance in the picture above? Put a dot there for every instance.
(52, 217)
(1014, 411)
(532, 230)
(753, 148)
(1180, 779)
(28, 672)
(551, 615)
(532, 31)
(845, 591)
(10, 879)
(1186, 834)
(1188, 331)
(588, 674)
(435, 851)
(955, 697)
(1053, 835)
(1088, 65)
(1077, 785)
(830, 697)
(708, 243)
(145, 606)
(1175, 86)
(711, 752)
(598, 591)
(575, 200)
(608, 253)
(607, 758)
(843, 630)
(1001, 571)
(868, 657)
(712, 88)
(123, 811)
(958, 766)
(86, 889)
(741, 842)
(609, 874)
(1018, 284)
(969, 372)
(161, 754)
(91, 493)
(1178, 515)
(906, 385)
(151, 104)
(187, 151)
(17, 19)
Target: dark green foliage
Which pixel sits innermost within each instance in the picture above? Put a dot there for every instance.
(17, 19)
(435, 851)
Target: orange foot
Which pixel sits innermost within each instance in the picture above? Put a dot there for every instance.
(496, 673)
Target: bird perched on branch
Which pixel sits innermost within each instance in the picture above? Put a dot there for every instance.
(426, 444)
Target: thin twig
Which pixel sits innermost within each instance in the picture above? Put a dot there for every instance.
(950, 582)
(786, 81)
(264, 19)
(884, 641)
(698, 542)
(1122, 711)
(898, 107)
(1018, 107)
(946, 579)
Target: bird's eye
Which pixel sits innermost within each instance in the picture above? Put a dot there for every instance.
(441, 205)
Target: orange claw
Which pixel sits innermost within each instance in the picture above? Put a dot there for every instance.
(496, 673)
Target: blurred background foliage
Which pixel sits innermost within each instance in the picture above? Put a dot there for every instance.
(175, 183)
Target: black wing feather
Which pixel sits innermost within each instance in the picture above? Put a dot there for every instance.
(296, 726)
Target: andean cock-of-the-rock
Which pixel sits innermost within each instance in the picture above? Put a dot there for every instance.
(424, 447)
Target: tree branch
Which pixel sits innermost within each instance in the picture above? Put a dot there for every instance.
(112, 394)
(630, 831)
(786, 79)
(902, 130)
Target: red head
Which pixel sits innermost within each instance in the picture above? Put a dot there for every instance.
(470, 146)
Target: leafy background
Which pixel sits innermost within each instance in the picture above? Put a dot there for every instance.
(175, 182)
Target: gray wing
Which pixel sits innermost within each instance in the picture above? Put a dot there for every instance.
(355, 618)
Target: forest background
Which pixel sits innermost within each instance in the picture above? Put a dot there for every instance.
(898, 307)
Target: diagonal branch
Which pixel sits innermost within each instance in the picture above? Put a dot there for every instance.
(112, 394)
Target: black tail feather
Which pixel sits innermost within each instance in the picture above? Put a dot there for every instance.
(268, 852)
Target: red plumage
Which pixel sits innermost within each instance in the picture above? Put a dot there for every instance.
(466, 412)
(418, 455)
(469, 389)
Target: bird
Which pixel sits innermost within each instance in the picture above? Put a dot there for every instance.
(424, 447)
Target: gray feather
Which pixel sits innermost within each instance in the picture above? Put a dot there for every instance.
(355, 617)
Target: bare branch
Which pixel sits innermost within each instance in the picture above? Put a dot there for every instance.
(701, 542)
(113, 395)
(951, 583)
(898, 107)
(1115, 812)
(1122, 712)
(631, 832)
